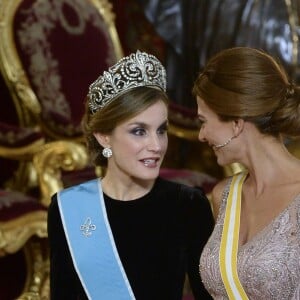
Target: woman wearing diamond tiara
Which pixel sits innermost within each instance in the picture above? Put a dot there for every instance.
(130, 234)
(247, 105)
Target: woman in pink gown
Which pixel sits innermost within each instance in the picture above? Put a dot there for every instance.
(248, 107)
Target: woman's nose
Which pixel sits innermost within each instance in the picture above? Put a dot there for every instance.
(201, 136)
(154, 143)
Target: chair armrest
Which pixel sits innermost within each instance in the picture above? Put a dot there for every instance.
(21, 216)
(15, 233)
(52, 159)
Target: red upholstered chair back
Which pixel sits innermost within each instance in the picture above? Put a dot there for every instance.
(62, 46)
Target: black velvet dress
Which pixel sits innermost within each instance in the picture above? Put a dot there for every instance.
(159, 238)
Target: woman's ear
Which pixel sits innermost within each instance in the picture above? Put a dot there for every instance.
(238, 126)
(102, 139)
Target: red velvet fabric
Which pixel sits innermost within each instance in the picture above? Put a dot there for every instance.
(14, 204)
(62, 51)
(15, 137)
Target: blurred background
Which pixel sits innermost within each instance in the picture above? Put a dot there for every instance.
(51, 50)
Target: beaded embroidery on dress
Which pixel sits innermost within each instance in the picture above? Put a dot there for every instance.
(268, 265)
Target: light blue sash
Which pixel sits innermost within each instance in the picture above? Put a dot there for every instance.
(91, 242)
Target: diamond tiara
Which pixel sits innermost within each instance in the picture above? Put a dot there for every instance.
(137, 69)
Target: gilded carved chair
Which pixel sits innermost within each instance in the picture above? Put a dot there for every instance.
(51, 51)
(24, 257)
(24, 264)
(16, 141)
(22, 216)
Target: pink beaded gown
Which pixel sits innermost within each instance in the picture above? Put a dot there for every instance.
(268, 265)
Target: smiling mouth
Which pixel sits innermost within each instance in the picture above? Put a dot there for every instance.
(150, 162)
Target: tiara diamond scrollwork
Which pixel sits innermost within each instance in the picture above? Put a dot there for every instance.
(136, 70)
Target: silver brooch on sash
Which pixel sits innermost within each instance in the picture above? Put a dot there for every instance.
(87, 227)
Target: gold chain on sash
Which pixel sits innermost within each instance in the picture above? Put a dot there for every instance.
(230, 241)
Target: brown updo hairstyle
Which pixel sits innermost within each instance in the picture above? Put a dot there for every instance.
(248, 83)
(122, 108)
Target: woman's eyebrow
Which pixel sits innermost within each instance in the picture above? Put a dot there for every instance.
(143, 124)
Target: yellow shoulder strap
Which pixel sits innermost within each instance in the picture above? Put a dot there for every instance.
(230, 240)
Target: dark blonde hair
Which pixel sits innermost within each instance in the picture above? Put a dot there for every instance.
(248, 83)
(121, 109)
